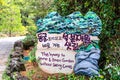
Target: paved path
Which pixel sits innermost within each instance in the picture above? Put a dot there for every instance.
(6, 45)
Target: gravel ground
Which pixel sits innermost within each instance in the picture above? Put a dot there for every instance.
(6, 45)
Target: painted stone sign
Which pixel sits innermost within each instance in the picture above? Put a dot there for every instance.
(53, 55)
(56, 51)
(69, 44)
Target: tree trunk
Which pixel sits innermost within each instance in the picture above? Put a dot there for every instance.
(10, 33)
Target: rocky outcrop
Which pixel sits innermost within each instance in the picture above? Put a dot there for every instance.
(87, 61)
(15, 63)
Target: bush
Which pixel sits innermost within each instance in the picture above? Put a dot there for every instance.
(28, 42)
(5, 77)
(30, 38)
(109, 73)
(32, 54)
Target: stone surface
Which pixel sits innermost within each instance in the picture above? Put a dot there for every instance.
(6, 45)
(52, 47)
(73, 23)
(87, 61)
(56, 61)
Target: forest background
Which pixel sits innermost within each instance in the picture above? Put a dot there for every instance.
(18, 17)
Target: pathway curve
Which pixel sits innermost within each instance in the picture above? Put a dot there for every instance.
(6, 45)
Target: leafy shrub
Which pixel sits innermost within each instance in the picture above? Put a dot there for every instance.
(5, 77)
(31, 30)
(109, 73)
(30, 38)
(28, 42)
(67, 77)
(30, 73)
(32, 55)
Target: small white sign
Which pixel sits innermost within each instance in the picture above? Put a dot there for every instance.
(56, 61)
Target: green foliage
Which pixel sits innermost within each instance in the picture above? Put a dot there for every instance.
(1, 1)
(30, 38)
(67, 77)
(109, 73)
(5, 77)
(31, 30)
(31, 10)
(28, 42)
(10, 19)
(73, 77)
(114, 72)
(32, 54)
(15, 14)
(109, 12)
(30, 74)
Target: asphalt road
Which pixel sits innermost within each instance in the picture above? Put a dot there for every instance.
(6, 45)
